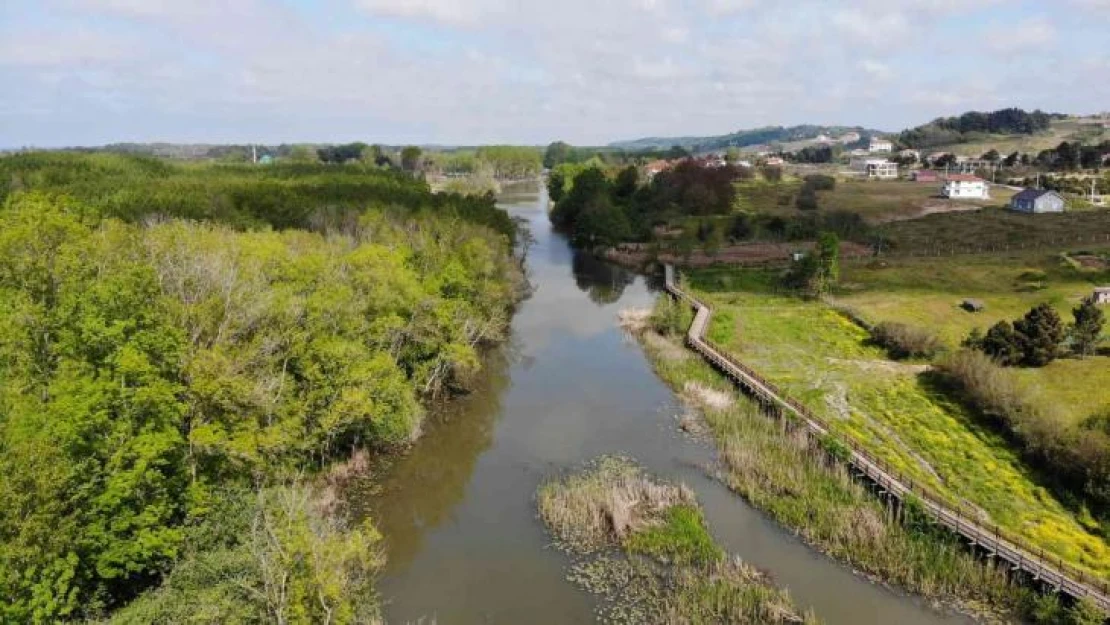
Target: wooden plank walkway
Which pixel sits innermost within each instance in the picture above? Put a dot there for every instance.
(991, 539)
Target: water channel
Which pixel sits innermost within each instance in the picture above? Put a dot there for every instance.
(458, 512)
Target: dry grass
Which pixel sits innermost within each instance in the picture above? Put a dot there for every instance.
(634, 320)
(600, 507)
(707, 397)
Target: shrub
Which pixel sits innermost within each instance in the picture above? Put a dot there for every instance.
(905, 341)
(820, 182)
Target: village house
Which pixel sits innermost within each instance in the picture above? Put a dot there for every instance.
(878, 168)
(926, 175)
(1101, 295)
(655, 167)
(775, 161)
(858, 152)
(880, 145)
(968, 165)
(910, 153)
(1037, 201)
(965, 187)
(848, 137)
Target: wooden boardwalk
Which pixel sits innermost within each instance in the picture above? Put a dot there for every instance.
(991, 540)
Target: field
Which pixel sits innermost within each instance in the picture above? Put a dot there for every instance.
(824, 360)
(996, 229)
(875, 201)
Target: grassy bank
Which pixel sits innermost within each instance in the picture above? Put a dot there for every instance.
(825, 361)
(658, 562)
(790, 476)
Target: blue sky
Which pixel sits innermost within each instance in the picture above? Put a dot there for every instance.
(87, 72)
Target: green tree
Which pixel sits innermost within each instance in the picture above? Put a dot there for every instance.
(410, 158)
(1002, 344)
(556, 153)
(626, 183)
(1086, 332)
(1040, 333)
(303, 154)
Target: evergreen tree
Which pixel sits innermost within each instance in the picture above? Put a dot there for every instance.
(1087, 329)
(1002, 344)
(1040, 333)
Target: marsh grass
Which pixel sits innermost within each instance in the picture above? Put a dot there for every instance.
(780, 469)
(668, 568)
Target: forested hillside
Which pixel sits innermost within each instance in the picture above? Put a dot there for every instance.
(974, 124)
(173, 369)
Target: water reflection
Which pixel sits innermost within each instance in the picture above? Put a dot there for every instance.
(604, 282)
(423, 487)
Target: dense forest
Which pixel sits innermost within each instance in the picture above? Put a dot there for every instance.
(598, 211)
(966, 127)
(187, 351)
(602, 206)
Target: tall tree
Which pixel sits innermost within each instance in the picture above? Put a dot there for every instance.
(410, 158)
(1040, 333)
(1087, 329)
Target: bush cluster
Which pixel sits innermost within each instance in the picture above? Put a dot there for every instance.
(1077, 457)
(905, 341)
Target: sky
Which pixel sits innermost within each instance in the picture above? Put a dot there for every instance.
(465, 72)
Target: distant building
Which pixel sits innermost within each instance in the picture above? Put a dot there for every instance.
(926, 175)
(655, 167)
(968, 165)
(776, 161)
(848, 137)
(1037, 201)
(823, 138)
(879, 168)
(965, 187)
(880, 145)
(908, 153)
(265, 159)
(1101, 295)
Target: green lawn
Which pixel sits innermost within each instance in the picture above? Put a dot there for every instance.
(822, 359)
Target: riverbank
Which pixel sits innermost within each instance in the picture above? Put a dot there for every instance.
(795, 480)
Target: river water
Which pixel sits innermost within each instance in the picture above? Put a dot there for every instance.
(458, 512)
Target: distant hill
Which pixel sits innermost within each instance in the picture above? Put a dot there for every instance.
(743, 138)
(975, 125)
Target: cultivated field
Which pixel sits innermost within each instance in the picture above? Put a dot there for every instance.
(823, 359)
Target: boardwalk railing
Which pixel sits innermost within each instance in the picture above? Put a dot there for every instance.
(990, 538)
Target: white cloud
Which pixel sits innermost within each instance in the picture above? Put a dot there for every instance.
(876, 69)
(1030, 35)
(467, 71)
(446, 11)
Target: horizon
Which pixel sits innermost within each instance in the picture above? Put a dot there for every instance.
(84, 73)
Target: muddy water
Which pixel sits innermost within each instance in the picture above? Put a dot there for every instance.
(458, 512)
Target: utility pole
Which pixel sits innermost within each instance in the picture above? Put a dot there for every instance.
(254, 154)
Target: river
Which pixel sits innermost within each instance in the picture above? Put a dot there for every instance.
(458, 512)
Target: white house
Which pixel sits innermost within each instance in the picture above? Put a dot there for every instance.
(965, 187)
(1102, 295)
(879, 168)
(848, 137)
(880, 145)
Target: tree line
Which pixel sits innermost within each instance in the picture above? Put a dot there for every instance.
(948, 130)
(600, 208)
(164, 379)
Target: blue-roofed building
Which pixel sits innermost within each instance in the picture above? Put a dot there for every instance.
(1037, 201)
